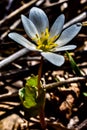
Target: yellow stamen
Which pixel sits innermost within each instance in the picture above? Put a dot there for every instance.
(84, 23)
(44, 41)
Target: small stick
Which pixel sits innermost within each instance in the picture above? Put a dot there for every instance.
(82, 125)
(71, 80)
(17, 11)
(48, 4)
(13, 57)
(50, 86)
(12, 27)
(79, 18)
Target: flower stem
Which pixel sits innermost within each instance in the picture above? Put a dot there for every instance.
(42, 115)
(39, 75)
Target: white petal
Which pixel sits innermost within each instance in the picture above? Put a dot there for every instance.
(64, 48)
(22, 41)
(39, 18)
(29, 27)
(55, 59)
(68, 34)
(57, 26)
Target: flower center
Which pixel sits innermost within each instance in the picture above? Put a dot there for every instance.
(45, 42)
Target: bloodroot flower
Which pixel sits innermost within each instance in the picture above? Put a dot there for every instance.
(44, 40)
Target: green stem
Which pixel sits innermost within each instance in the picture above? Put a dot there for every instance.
(42, 115)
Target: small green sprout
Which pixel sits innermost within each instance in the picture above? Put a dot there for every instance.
(74, 66)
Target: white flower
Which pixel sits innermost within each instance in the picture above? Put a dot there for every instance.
(46, 41)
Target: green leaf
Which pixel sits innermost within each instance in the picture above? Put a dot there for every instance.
(32, 81)
(29, 97)
(35, 110)
(85, 94)
(30, 92)
(21, 93)
(74, 66)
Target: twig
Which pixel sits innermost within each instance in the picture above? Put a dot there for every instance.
(12, 27)
(9, 94)
(13, 57)
(71, 80)
(48, 4)
(17, 11)
(79, 18)
(52, 85)
(82, 126)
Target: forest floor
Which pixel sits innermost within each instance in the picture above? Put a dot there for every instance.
(66, 101)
